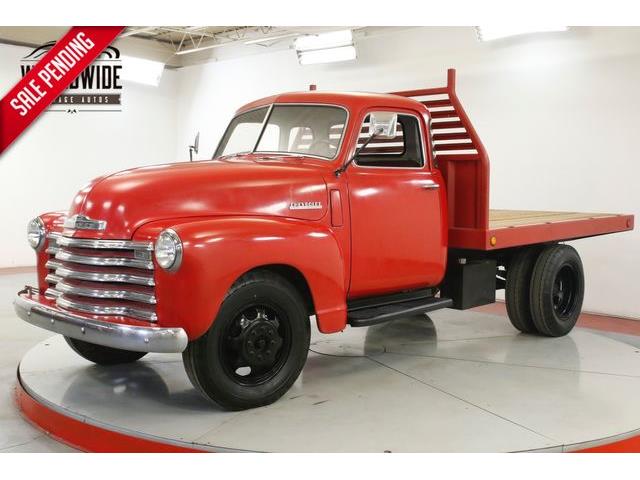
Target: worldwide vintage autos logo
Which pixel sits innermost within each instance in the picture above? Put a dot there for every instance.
(96, 89)
(305, 205)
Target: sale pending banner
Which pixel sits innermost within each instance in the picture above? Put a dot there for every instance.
(49, 77)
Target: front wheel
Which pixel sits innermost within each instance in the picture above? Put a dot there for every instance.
(256, 347)
(557, 290)
(103, 355)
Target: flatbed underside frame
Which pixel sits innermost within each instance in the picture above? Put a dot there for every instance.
(513, 228)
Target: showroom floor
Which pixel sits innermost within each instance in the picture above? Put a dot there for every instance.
(487, 341)
(16, 435)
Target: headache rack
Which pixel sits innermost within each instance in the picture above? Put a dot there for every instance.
(460, 156)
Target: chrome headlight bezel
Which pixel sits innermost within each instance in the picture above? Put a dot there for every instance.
(168, 250)
(36, 233)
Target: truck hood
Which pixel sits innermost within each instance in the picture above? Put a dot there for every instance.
(245, 185)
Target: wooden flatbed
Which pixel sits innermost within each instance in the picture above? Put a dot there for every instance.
(513, 228)
(517, 218)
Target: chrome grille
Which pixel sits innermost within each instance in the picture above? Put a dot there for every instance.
(102, 277)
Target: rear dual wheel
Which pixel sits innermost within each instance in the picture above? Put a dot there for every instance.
(545, 289)
(557, 290)
(518, 287)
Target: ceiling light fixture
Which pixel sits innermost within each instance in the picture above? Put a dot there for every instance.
(328, 55)
(325, 47)
(486, 34)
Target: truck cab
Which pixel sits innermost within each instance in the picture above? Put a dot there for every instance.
(390, 195)
(350, 209)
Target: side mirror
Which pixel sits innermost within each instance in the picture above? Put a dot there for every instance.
(194, 148)
(383, 124)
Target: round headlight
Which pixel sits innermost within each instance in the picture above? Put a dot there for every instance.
(168, 250)
(35, 233)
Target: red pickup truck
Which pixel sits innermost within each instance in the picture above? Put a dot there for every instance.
(355, 208)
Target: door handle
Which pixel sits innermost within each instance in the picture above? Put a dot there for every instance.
(430, 186)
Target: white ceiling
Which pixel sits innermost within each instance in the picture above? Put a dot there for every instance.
(211, 42)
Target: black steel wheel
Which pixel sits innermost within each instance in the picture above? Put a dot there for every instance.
(255, 348)
(557, 290)
(255, 344)
(103, 355)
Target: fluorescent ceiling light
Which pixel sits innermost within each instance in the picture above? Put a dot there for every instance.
(327, 55)
(487, 34)
(325, 47)
(339, 38)
(140, 70)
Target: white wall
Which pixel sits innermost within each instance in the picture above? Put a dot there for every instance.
(558, 115)
(61, 152)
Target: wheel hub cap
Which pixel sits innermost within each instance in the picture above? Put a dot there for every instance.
(254, 341)
(260, 343)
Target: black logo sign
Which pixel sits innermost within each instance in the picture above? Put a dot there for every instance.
(97, 89)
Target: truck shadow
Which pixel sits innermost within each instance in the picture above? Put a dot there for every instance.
(125, 385)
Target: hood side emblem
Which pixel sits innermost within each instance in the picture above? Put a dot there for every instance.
(80, 222)
(305, 206)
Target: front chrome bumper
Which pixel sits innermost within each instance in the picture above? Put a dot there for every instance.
(115, 335)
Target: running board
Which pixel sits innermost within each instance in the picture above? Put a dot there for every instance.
(380, 300)
(365, 317)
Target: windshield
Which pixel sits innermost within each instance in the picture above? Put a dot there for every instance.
(297, 129)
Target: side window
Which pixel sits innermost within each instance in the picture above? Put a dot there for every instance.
(405, 150)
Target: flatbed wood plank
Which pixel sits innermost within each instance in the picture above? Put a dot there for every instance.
(515, 218)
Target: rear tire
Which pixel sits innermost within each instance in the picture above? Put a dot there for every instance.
(557, 290)
(256, 347)
(517, 291)
(103, 355)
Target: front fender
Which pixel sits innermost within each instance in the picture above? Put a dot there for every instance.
(217, 251)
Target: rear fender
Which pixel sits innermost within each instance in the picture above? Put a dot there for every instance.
(218, 251)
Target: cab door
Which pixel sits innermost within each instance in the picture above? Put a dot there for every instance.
(398, 239)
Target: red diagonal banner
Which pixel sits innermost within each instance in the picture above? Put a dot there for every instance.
(50, 77)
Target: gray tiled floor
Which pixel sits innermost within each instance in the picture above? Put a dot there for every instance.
(16, 435)
(458, 375)
(456, 381)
